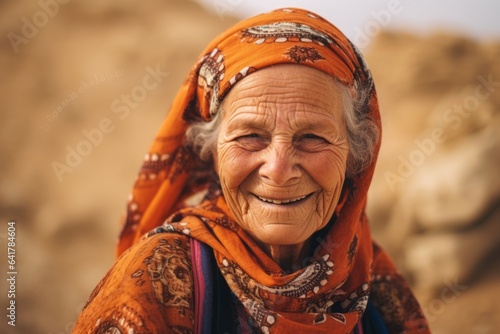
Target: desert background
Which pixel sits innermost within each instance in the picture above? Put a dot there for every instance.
(434, 202)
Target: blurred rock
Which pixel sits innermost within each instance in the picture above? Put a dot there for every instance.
(456, 189)
(436, 191)
(434, 258)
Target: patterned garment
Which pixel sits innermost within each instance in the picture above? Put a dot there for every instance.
(156, 284)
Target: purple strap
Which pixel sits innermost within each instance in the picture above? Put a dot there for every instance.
(201, 259)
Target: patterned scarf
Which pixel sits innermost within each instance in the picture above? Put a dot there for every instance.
(175, 193)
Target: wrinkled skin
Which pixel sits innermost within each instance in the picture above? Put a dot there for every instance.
(282, 138)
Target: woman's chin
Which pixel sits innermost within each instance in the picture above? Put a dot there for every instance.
(281, 235)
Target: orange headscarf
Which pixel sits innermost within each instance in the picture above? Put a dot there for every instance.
(284, 36)
(174, 189)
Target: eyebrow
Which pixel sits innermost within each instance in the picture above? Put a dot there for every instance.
(245, 124)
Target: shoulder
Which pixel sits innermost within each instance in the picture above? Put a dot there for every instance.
(392, 296)
(161, 261)
(163, 245)
(155, 253)
(149, 286)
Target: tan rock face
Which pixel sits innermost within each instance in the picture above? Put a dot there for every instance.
(437, 191)
(457, 189)
(433, 257)
(69, 94)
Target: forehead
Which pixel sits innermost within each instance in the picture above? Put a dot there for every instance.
(291, 91)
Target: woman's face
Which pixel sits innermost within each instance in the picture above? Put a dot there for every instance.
(281, 152)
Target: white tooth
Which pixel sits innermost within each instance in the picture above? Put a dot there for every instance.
(267, 200)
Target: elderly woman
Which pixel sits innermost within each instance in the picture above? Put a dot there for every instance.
(248, 215)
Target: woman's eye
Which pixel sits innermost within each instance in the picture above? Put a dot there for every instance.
(249, 137)
(252, 142)
(312, 136)
(310, 142)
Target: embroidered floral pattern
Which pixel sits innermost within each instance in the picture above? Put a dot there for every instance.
(301, 54)
(170, 272)
(280, 32)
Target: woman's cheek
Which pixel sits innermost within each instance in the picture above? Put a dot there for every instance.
(231, 164)
(335, 165)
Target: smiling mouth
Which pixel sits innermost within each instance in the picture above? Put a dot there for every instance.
(283, 202)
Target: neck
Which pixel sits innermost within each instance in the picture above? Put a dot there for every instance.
(289, 257)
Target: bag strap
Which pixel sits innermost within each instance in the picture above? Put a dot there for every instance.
(201, 260)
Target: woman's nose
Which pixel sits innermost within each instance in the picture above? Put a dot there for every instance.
(280, 165)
